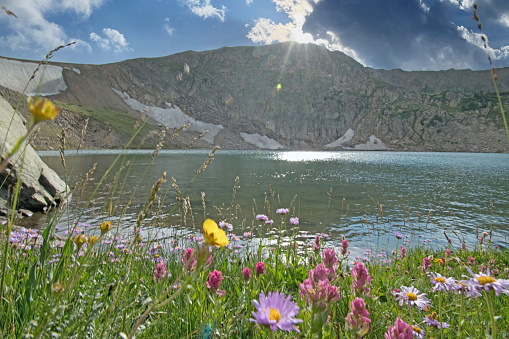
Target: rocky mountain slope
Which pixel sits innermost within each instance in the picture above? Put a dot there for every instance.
(280, 96)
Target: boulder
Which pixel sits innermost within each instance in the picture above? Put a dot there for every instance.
(40, 185)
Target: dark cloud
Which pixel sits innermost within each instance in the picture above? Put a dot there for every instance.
(400, 33)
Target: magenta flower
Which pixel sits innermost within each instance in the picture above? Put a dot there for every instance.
(329, 258)
(282, 211)
(344, 247)
(246, 273)
(189, 259)
(402, 252)
(319, 273)
(259, 268)
(276, 311)
(400, 330)
(215, 278)
(426, 264)
(398, 235)
(262, 217)
(317, 244)
(357, 321)
(447, 253)
(360, 280)
(294, 221)
(160, 271)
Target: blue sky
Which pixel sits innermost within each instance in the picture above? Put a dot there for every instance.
(406, 34)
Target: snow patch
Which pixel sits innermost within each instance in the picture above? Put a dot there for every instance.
(75, 70)
(261, 141)
(15, 75)
(173, 117)
(374, 144)
(345, 138)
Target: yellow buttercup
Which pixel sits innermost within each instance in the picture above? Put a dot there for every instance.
(213, 234)
(42, 110)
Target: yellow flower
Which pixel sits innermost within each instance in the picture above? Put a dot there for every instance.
(213, 234)
(79, 240)
(93, 239)
(42, 110)
(106, 227)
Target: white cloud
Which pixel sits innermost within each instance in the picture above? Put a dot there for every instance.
(33, 31)
(249, 2)
(113, 39)
(170, 30)
(204, 9)
(465, 5)
(504, 20)
(475, 39)
(266, 31)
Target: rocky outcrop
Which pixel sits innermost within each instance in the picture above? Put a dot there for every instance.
(40, 185)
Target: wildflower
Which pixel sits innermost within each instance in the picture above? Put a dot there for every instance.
(402, 252)
(259, 268)
(42, 110)
(269, 222)
(486, 282)
(344, 247)
(317, 244)
(160, 271)
(294, 221)
(93, 239)
(246, 274)
(215, 278)
(214, 235)
(79, 240)
(189, 259)
(398, 235)
(357, 321)
(360, 280)
(282, 211)
(57, 288)
(247, 234)
(400, 330)
(262, 217)
(432, 320)
(106, 227)
(439, 261)
(447, 253)
(426, 264)
(471, 260)
(410, 296)
(276, 311)
(418, 332)
(331, 262)
(319, 273)
(441, 283)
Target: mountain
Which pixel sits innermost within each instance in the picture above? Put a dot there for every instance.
(279, 96)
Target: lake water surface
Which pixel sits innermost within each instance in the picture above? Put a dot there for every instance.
(365, 196)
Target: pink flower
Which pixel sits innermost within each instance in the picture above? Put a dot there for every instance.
(471, 260)
(329, 258)
(360, 280)
(402, 252)
(215, 278)
(259, 268)
(447, 253)
(246, 273)
(344, 247)
(160, 271)
(317, 244)
(282, 211)
(294, 221)
(426, 264)
(400, 330)
(319, 273)
(189, 259)
(357, 321)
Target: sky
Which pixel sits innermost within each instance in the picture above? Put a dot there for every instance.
(386, 34)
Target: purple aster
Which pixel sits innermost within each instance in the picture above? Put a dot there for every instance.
(418, 332)
(432, 320)
(398, 235)
(486, 282)
(441, 283)
(282, 211)
(276, 311)
(262, 217)
(412, 296)
(294, 221)
(269, 222)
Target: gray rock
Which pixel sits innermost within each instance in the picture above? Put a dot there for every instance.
(40, 185)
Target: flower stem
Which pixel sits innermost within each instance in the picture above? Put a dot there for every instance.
(460, 316)
(440, 314)
(492, 315)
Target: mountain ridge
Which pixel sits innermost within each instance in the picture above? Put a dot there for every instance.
(297, 96)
